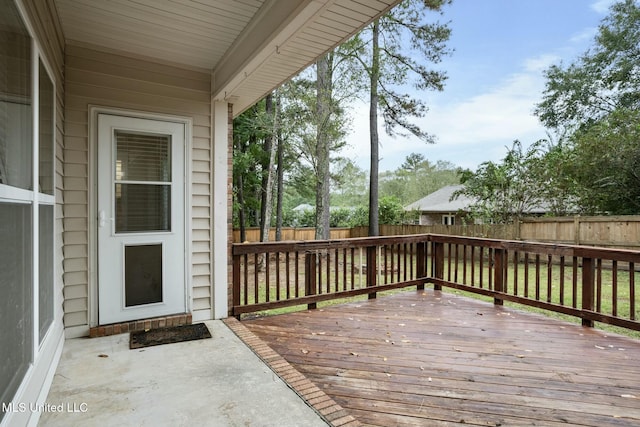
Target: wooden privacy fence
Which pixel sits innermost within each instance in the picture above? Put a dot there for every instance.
(490, 231)
(593, 284)
(290, 233)
(602, 231)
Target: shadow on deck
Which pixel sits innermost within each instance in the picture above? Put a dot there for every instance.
(435, 358)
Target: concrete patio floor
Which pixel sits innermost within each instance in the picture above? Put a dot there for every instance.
(209, 382)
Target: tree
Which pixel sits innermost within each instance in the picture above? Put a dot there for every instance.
(555, 179)
(592, 104)
(324, 111)
(417, 177)
(279, 178)
(250, 130)
(504, 191)
(606, 165)
(604, 79)
(321, 125)
(401, 41)
(268, 167)
(349, 183)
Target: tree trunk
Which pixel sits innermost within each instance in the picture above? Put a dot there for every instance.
(267, 177)
(267, 194)
(280, 176)
(323, 114)
(241, 213)
(373, 131)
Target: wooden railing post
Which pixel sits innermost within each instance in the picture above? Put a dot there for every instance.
(372, 269)
(499, 270)
(421, 262)
(438, 263)
(588, 285)
(310, 277)
(235, 286)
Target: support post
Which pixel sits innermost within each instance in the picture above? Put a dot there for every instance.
(310, 277)
(438, 263)
(372, 269)
(588, 285)
(235, 297)
(499, 264)
(421, 263)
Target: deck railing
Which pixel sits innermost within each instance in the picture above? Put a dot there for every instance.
(279, 274)
(591, 283)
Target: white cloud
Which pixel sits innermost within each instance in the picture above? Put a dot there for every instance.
(540, 63)
(468, 132)
(602, 6)
(585, 35)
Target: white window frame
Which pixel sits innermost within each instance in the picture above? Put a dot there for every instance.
(47, 347)
(448, 219)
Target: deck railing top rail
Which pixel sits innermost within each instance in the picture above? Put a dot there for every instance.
(301, 245)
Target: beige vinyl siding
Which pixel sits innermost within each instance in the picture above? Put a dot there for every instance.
(108, 79)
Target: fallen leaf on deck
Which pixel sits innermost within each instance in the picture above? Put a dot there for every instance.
(304, 351)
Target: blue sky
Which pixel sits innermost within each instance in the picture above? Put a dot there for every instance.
(501, 48)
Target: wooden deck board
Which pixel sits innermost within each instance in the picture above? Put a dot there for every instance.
(434, 358)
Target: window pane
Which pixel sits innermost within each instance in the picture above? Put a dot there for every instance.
(16, 162)
(45, 278)
(143, 207)
(16, 313)
(142, 157)
(142, 274)
(45, 141)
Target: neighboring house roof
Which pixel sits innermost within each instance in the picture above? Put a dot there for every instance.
(303, 208)
(439, 201)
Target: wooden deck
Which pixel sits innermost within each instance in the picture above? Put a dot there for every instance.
(430, 358)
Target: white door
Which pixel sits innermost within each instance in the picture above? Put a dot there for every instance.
(141, 231)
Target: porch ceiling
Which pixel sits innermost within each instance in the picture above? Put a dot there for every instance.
(249, 46)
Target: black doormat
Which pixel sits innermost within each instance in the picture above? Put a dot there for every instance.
(139, 339)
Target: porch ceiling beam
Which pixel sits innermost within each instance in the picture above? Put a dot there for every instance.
(272, 28)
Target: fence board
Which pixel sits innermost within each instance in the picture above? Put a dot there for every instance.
(604, 231)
